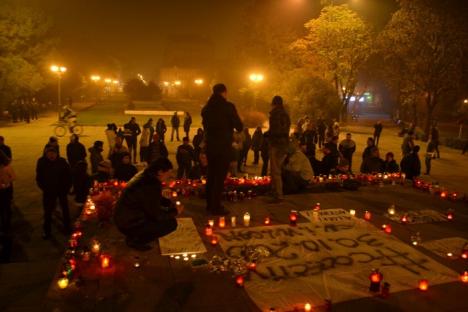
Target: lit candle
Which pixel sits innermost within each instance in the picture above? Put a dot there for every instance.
(105, 261)
(246, 219)
(352, 212)
(367, 215)
(450, 215)
(387, 228)
(464, 277)
(222, 222)
(62, 283)
(449, 254)
(174, 194)
(464, 254)
(317, 207)
(404, 219)
(267, 221)
(233, 221)
(293, 218)
(391, 210)
(208, 230)
(211, 223)
(214, 240)
(240, 281)
(443, 194)
(307, 307)
(96, 247)
(252, 266)
(423, 285)
(375, 279)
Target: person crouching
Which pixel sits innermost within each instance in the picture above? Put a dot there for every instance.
(142, 214)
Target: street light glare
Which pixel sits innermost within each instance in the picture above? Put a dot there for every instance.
(58, 69)
(54, 68)
(199, 82)
(177, 82)
(256, 77)
(95, 78)
(107, 80)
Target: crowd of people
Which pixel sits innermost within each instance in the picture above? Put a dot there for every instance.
(219, 149)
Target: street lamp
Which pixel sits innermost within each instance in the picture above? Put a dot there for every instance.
(59, 70)
(198, 82)
(465, 101)
(95, 78)
(177, 82)
(256, 77)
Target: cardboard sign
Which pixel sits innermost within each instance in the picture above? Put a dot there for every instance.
(312, 262)
(327, 215)
(184, 240)
(418, 217)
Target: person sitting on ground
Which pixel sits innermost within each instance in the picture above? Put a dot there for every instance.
(95, 155)
(125, 170)
(200, 169)
(82, 181)
(142, 213)
(368, 150)
(117, 152)
(157, 149)
(184, 156)
(390, 165)
(411, 164)
(104, 171)
(297, 171)
(373, 163)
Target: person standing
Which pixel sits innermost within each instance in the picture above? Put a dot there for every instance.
(264, 153)
(5, 148)
(145, 140)
(75, 151)
(82, 181)
(53, 176)
(197, 143)
(150, 127)
(347, 148)
(95, 155)
(246, 145)
(187, 124)
(435, 138)
(408, 143)
(368, 150)
(111, 134)
(309, 139)
(280, 125)
(131, 132)
(157, 149)
(161, 129)
(378, 127)
(175, 123)
(411, 164)
(7, 176)
(220, 117)
(184, 156)
(117, 152)
(430, 154)
(257, 139)
(321, 128)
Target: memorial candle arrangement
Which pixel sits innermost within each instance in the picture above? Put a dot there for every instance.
(293, 218)
(222, 222)
(246, 219)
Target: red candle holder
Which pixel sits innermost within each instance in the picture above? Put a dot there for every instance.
(105, 261)
(214, 240)
(375, 279)
(367, 215)
(387, 228)
(208, 230)
(317, 207)
(404, 219)
(240, 281)
(464, 277)
(293, 218)
(443, 194)
(450, 215)
(464, 254)
(252, 266)
(423, 285)
(267, 221)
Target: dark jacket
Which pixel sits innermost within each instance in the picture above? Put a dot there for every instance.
(185, 154)
(347, 148)
(53, 176)
(391, 166)
(265, 148)
(280, 124)
(75, 152)
(321, 127)
(156, 150)
(124, 172)
(372, 165)
(378, 129)
(257, 139)
(132, 130)
(411, 166)
(219, 119)
(6, 150)
(175, 121)
(161, 128)
(142, 201)
(95, 157)
(187, 123)
(367, 152)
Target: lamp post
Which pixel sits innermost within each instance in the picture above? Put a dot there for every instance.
(59, 70)
(256, 78)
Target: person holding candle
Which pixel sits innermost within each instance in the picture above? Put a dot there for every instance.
(142, 213)
(220, 117)
(280, 125)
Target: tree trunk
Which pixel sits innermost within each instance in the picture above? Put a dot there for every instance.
(430, 103)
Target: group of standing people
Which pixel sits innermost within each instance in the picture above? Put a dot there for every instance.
(24, 109)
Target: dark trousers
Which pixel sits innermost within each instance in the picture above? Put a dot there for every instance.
(143, 153)
(184, 170)
(6, 196)
(132, 146)
(349, 158)
(256, 156)
(187, 133)
(428, 164)
(265, 161)
(176, 130)
(376, 139)
(437, 149)
(218, 166)
(49, 202)
(149, 231)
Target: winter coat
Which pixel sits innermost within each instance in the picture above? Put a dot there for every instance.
(156, 150)
(367, 152)
(347, 148)
(95, 157)
(124, 172)
(175, 121)
(6, 150)
(111, 135)
(372, 165)
(75, 152)
(309, 139)
(131, 130)
(187, 123)
(299, 163)
(280, 125)
(411, 166)
(142, 201)
(7, 176)
(219, 119)
(145, 137)
(185, 154)
(53, 176)
(391, 166)
(161, 128)
(257, 139)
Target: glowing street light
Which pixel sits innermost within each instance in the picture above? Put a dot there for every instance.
(108, 80)
(115, 82)
(95, 78)
(465, 101)
(177, 82)
(256, 77)
(59, 70)
(166, 83)
(198, 82)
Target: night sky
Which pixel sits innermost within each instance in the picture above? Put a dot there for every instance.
(99, 35)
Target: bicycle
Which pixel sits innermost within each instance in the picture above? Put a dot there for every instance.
(64, 127)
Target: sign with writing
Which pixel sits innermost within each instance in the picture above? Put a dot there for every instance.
(313, 262)
(184, 240)
(327, 215)
(441, 247)
(420, 216)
